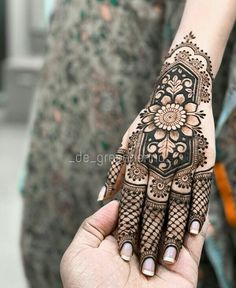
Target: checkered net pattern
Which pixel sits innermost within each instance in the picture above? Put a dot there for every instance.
(177, 220)
(132, 199)
(152, 222)
(200, 198)
(116, 165)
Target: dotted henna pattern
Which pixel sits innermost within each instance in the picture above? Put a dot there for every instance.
(166, 182)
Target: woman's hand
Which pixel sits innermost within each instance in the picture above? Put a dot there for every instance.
(165, 163)
(92, 259)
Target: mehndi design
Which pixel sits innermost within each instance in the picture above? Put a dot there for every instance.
(168, 169)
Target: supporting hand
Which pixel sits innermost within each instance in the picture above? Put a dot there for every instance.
(92, 259)
(165, 163)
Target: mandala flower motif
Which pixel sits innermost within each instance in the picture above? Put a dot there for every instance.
(182, 55)
(171, 118)
(196, 63)
(201, 142)
(159, 189)
(137, 172)
(183, 180)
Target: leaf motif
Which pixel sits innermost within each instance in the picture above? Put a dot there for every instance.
(165, 147)
(190, 92)
(175, 155)
(176, 162)
(175, 85)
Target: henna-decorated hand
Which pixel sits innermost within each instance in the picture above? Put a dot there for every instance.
(92, 259)
(165, 162)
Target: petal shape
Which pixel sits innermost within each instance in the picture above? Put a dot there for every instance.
(149, 128)
(192, 120)
(147, 118)
(159, 134)
(154, 108)
(165, 100)
(187, 131)
(174, 135)
(179, 99)
(190, 107)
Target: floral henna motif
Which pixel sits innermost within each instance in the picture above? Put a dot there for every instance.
(183, 179)
(168, 171)
(159, 189)
(136, 172)
(174, 146)
(173, 118)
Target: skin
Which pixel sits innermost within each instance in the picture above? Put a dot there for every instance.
(92, 259)
(211, 22)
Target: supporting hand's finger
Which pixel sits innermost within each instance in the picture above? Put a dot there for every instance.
(200, 199)
(96, 227)
(152, 222)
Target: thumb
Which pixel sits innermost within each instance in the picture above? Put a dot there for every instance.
(96, 227)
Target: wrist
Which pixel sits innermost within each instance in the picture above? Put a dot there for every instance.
(211, 22)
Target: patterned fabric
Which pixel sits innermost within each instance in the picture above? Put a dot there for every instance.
(103, 57)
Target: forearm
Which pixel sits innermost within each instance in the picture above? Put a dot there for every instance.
(211, 21)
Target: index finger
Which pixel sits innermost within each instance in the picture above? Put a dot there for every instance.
(96, 227)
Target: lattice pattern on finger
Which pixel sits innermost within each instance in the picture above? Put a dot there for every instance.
(115, 169)
(200, 198)
(129, 213)
(179, 205)
(151, 227)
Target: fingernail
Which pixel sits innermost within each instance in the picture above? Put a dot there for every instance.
(170, 254)
(102, 193)
(148, 267)
(195, 227)
(126, 251)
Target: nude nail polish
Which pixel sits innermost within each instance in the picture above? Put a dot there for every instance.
(148, 267)
(170, 255)
(126, 251)
(195, 227)
(102, 193)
